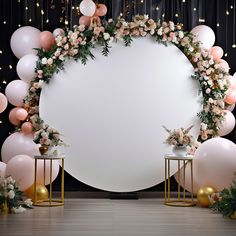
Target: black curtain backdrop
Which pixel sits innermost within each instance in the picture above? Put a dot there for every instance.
(51, 14)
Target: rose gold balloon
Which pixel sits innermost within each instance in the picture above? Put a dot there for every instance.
(85, 20)
(217, 52)
(27, 128)
(21, 114)
(12, 116)
(101, 10)
(46, 40)
(230, 97)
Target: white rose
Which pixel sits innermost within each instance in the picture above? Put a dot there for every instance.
(18, 210)
(28, 202)
(159, 32)
(11, 194)
(44, 61)
(106, 36)
(181, 34)
(10, 186)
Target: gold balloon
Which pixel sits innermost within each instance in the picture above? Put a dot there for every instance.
(202, 195)
(41, 192)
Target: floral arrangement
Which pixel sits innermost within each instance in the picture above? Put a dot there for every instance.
(77, 44)
(11, 197)
(225, 201)
(47, 136)
(181, 137)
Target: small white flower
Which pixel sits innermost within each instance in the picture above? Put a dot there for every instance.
(44, 61)
(18, 210)
(159, 32)
(11, 194)
(10, 186)
(181, 34)
(28, 202)
(106, 36)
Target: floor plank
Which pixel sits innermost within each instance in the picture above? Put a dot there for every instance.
(104, 217)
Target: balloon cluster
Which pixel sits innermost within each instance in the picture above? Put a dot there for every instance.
(19, 148)
(214, 160)
(91, 12)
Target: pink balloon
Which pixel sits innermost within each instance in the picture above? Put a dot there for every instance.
(17, 144)
(188, 187)
(215, 163)
(21, 168)
(24, 40)
(12, 116)
(230, 97)
(232, 82)
(21, 114)
(16, 92)
(27, 128)
(101, 10)
(40, 171)
(46, 40)
(228, 124)
(85, 20)
(58, 32)
(2, 170)
(224, 65)
(217, 52)
(3, 102)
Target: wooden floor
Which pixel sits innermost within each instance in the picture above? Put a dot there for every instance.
(104, 217)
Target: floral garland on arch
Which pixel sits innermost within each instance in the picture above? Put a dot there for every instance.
(77, 44)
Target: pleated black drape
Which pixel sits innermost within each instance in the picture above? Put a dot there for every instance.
(50, 14)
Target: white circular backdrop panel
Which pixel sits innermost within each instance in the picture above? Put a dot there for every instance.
(111, 113)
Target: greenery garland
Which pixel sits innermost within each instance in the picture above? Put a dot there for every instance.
(77, 44)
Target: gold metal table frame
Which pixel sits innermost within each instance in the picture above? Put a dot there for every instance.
(50, 202)
(180, 201)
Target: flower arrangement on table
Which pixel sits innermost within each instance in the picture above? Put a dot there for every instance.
(11, 197)
(182, 138)
(225, 201)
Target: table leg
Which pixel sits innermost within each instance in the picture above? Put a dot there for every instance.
(168, 180)
(62, 181)
(35, 180)
(178, 180)
(191, 179)
(50, 191)
(184, 179)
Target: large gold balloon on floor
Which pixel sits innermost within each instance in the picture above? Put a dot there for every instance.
(41, 191)
(203, 195)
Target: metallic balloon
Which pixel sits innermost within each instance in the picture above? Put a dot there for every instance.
(203, 195)
(41, 191)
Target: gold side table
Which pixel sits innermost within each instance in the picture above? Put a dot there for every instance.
(50, 202)
(181, 201)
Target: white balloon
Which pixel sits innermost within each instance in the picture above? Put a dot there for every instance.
(58, 31)
(215, 163)
(16, 91)
(228, 124)
(23, 40)
(2, 170)
(17, 144)
(87, 7)
(26, 67)
(205, 35)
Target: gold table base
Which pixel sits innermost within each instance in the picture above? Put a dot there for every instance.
(181, 201)
(50, 202)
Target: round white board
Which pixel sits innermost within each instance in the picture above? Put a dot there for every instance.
(111, 113)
